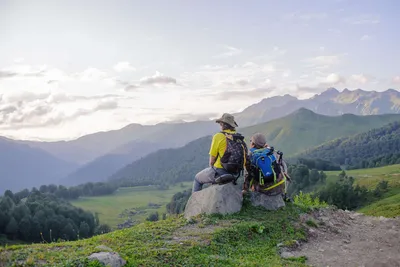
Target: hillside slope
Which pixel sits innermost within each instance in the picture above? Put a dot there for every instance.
(293, 133)
(377, 147)
(305, 129)
(167, 165)
(89, 147)
(24, 167)
(252, 237)
(104, 166)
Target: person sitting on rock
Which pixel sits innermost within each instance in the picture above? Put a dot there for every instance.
(254, 179)
(228, 154)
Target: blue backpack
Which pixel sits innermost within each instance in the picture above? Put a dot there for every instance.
(266, 163)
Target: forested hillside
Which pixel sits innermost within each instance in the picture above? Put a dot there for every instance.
(40, 217)
(377, 147)
(304, 129)
(166, 166)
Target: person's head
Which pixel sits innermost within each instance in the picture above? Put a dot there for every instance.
(258, 140)
(227, 122)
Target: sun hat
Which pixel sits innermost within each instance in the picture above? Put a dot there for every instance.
(228, 119)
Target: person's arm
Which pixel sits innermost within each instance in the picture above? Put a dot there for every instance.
(212, 160)
(213, 151)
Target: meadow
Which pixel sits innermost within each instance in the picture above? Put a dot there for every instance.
(389, 204)
(135, 199)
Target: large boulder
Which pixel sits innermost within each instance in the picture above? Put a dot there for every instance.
(109, 259)
(270, 202)
(222, 199)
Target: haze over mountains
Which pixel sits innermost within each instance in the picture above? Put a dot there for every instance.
(331, 102)
(97, 156)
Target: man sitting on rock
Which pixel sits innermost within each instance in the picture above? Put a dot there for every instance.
(254, 178)
(228, 154)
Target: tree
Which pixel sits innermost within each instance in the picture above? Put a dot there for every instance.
(9, 194)
(25, 227)
(12, 228)
(68, 232)
(153, 217)
(314, 176)
(84, 230)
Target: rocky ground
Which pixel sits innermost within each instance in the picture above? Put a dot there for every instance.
(343, 238)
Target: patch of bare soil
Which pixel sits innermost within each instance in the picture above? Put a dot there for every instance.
(343, 238)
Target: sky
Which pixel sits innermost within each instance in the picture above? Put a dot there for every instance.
(70, 68)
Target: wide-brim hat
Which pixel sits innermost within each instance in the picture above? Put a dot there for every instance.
(228, 119)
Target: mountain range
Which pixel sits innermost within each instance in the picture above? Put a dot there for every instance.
(330, 102)
(291, 134)
(96, 156)
(22, 166)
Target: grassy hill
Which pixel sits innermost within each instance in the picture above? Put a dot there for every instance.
(247, 238)
(377, 147)
(389, 204)
(304, 129)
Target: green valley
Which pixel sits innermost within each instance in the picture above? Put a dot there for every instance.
(134, 202)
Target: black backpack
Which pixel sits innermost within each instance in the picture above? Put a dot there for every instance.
(234, 156)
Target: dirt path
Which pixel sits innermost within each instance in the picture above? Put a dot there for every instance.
(342, 238)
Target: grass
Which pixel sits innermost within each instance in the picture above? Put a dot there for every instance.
(389, 204)
(386, 207)
(132, 198)
(247, 238)
(371, 177)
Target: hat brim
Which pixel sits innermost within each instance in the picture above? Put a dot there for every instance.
(221, 120)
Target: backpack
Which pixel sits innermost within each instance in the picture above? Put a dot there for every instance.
(234, 157)
(267, 165)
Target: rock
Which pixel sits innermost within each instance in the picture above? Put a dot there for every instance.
(223, 199)
(267, 201)
(109, 259)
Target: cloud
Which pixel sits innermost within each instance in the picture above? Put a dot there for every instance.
(230, 52)
(19, 60)
(334, 79)
(192, 117)
(396, 79)
(300, 16)
(9, 74)
(29, 110)
(323, 62)
(91, 74)
(253, 93)
(123, 66)
(331, 80)
(365, 37)
(365, 19)
(359, 78)
(158, 78)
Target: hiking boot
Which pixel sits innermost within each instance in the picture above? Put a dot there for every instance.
(224, 179)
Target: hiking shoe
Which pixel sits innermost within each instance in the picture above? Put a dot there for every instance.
(224, 179)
